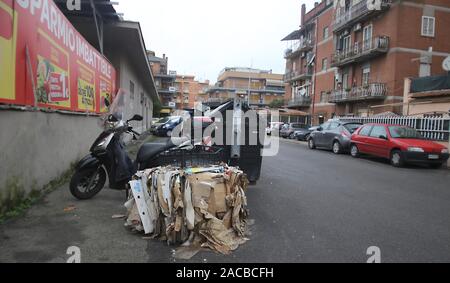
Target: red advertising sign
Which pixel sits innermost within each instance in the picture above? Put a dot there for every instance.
(45, 62)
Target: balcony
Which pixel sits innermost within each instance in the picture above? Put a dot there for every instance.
(299, 46)
(300, 101)
(170, 90)
(361, 51)
(164, 76)
(358, 12)
(305, 73)
(372, 91)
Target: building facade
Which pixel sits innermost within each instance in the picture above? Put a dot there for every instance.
(351, 57)
(164, 79)
(189, 91)
(259, 86)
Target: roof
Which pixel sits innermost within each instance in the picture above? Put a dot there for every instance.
(126, 36)
(104, 8)
(296, 34)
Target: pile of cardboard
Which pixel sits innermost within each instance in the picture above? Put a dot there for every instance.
(195, 207)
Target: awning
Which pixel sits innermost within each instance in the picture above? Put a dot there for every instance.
(293, 36)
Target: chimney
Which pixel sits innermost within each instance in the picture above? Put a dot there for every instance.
(303, 14)
(315, 4)
(164, 56)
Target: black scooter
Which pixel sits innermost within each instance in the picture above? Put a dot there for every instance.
(108, 157)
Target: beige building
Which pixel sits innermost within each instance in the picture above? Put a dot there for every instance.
(261, 87)
(428, 96)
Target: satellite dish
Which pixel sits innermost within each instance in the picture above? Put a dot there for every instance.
(446, 64)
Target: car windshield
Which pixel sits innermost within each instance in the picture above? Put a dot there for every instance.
(399, 132)
(299, 126)
(352, 127)
(163, 120)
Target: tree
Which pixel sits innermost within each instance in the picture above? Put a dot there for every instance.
(277, 103)
(156, 107)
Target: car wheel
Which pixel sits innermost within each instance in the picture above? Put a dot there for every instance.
(291, 136)
(337, 148)
(397, 159)
(311, 144)
(354, 151)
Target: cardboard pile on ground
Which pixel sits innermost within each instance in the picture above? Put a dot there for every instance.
(197, 208)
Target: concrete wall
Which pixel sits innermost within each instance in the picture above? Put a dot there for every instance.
(38, 147)
(127, 73)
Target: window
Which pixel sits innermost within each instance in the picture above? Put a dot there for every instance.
(323, 97)
(366, 76)
(378, 131)
(325, 32)
(324, 64)
(428, 26)
(334, 125)
(131, 90)
(325, 126)
(367, 37)
(365, 131)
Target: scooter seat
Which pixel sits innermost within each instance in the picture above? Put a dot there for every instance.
(150, 150)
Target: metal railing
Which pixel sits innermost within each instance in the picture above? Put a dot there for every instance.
(305, 72)
(432, 128)
(298, 46)
(372, 46)
(357, 12)
(370, 91)
(300, 101)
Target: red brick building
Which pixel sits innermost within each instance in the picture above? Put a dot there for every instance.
(351, 58)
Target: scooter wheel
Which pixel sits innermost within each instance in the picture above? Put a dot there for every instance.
(85, 184)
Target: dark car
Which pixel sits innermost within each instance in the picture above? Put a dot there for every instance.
(166, 129)
(288, 130)
(334, 135)
(399, 144)
(303, 134)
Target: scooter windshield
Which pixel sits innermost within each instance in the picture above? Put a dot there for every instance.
(118, 105)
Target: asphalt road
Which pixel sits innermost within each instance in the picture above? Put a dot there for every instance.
(309, 206)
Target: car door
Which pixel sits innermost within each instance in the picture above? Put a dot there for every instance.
(377, 142)
(361, 138)
(319, 136)
(330, 134)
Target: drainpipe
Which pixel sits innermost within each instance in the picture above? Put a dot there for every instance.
(313, 110)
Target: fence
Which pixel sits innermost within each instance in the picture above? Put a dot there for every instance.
(432, 128)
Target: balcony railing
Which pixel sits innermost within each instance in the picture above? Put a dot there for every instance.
(371, 91)
(361, 51)
(298, 74)
(299, 46)
(358, 12)
(300, 101)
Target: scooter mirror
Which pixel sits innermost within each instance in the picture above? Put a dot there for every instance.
(107, 103)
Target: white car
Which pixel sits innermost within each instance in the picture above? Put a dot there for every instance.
(274, 126)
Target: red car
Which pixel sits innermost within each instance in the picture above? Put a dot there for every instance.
(399, 144)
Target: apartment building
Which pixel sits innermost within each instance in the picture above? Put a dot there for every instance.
(261, 87)
(351, 57)
(164, 79)
(189, 91)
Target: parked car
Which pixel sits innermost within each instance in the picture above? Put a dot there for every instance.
(165, 130)
(303, 134)
(288, 130)
(334, 135)
(158, 122)
(273, 127)
(399, 144)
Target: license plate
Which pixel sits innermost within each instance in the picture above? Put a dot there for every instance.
(433, 156)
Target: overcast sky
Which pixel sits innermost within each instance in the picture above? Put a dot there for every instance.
(201, 37)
